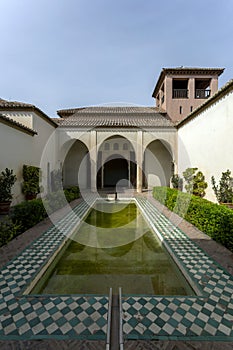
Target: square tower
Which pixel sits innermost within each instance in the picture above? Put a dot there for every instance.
(179, 91)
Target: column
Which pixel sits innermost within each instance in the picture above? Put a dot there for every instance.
(191, 92)
(139, 161)
(93, 159)
(129, 183)
(102, 175)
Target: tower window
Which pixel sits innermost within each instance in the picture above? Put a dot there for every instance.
(180, 88)
(181, 109)
(191, 108)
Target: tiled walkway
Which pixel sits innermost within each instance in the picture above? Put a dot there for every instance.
(80, 322)
(59, 317)
(207, 316)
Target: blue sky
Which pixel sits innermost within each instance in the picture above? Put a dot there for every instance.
(69, 53)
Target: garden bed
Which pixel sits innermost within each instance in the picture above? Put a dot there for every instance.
(213, 219)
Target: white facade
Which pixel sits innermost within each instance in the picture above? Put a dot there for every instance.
(147, 157)
(97, 147)
(18, 148)
(205, 141)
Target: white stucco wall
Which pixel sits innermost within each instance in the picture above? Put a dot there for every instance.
(206, 142)
(18, 148)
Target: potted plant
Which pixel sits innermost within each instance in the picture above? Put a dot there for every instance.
(195, 182)
(31, 176)
(224, 191)
(7, 180)
(177, 182)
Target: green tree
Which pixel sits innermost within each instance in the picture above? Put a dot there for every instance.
(199, 184)
(189, 177)
(195, 182)
(224, 191)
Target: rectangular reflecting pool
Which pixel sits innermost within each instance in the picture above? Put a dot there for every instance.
(113, 247)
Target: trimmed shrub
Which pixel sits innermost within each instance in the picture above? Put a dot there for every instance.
(8, 230)
(31, 176)
(72, 193)
(213, 219)
(28, 213)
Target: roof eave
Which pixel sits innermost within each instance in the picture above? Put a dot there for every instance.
(29, 108)
(184, 70)
(10, 122)
(228, 87)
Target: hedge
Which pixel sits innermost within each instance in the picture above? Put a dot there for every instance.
(28, 213)
(8, 230)
(213, 219)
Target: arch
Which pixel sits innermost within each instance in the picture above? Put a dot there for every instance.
(66, 140)
(76, 166)
(113, 167)
(165, 143)
(158, 164)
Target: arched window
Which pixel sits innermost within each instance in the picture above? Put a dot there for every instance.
(125, 146)
(106, 147)
(115, 146)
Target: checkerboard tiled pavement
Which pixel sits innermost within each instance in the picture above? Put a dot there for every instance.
(209, 315)
(36, 317)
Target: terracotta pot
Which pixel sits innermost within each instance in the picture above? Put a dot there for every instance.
(30, 196)
(4, 207)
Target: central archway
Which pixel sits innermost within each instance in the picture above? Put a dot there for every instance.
(116, 163)
(115, 170)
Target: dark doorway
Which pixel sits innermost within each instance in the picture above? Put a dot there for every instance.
(114, 171)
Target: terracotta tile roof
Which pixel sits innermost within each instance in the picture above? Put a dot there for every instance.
(14, 104)
(17, 125)
(11, 105)
(114, 117)
(109, 109)
(57, 120)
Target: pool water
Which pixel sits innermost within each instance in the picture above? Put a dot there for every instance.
(114, 247)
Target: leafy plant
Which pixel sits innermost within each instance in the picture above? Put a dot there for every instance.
(28, 213)
(199, 184)
(195, 183)
(189, 178)
(215, 220)
(8, 230)
(31, 176)
(224, 191)
(72, 193)
(177, 182)
(7, 180)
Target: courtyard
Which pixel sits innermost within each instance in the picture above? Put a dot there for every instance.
(153, 322)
